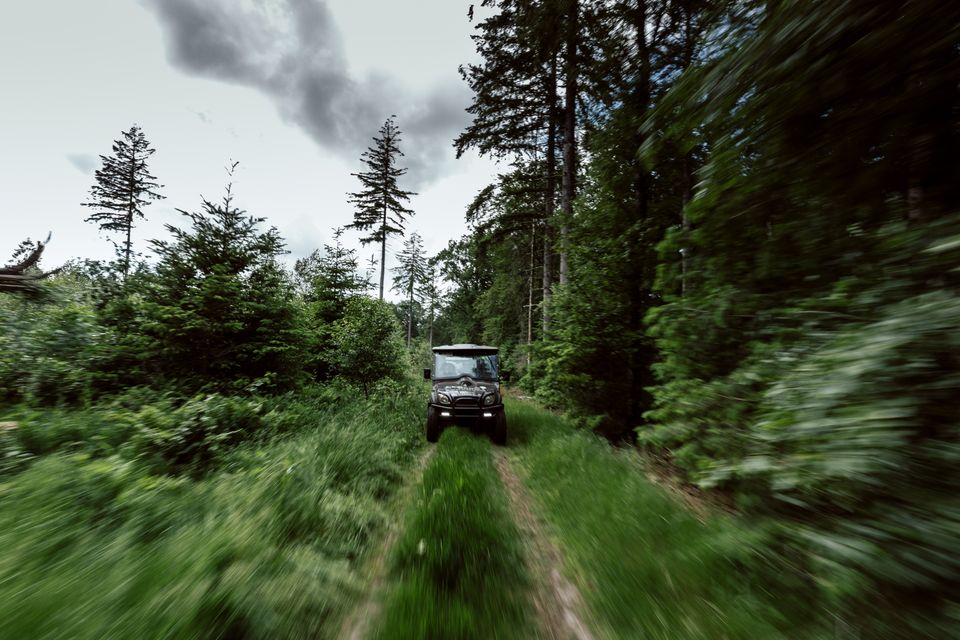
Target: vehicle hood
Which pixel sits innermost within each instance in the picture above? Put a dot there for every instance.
(466, 387)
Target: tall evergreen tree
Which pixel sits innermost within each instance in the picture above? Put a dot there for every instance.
(515, 108)
(330, 277)
(379, 205)
(124, 186)
(410, 275)
(220, 311)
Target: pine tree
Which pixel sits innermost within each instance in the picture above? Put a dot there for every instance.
(379, 205)
(410, 274)
(220, 309)
(515, 108)
(124, 186)
(330, 277)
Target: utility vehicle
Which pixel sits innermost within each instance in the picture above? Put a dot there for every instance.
(466, 389)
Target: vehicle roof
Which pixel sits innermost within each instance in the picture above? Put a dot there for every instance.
(483, 349)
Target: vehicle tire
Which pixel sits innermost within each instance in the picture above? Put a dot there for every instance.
(433, 425)
(500, 429)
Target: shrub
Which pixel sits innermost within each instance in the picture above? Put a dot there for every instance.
(367, 344)
(48, 349)
(195, 434)
(855, 452)
(262, 547)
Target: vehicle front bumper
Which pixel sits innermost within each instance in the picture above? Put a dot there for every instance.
(453, 413)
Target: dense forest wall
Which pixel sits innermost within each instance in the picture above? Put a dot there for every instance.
(757, 277)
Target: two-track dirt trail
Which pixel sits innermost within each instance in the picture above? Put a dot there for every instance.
(549, 602)
(559, 605)
(357, 625)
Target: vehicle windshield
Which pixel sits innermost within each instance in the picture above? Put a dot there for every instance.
(481, 367)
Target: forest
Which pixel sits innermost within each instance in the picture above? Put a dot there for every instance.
(721, 260)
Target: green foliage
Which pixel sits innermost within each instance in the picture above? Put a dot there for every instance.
(163, 434)
(124, 186)
(326, 281)
(367, 344)
(380, 209)
(458, 569)
(409, 276)
(49, 349)
(219, 313)
(595, 360)
(195, 434)
(266, 546)
(854, 451)
(806, 350)
(655, 569)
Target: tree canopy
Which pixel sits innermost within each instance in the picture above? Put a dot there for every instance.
(379, 205)
(124, 186)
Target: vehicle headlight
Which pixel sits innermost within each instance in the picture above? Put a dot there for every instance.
(443, 398)
(489, 399)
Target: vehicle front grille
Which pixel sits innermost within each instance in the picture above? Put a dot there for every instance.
(468, 402)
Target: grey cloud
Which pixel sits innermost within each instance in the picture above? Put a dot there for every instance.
(84, 162)
(292, 51)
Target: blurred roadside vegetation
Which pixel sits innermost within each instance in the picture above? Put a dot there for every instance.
(221, 518)
(760, 289)
(758, 283)
(204, 447)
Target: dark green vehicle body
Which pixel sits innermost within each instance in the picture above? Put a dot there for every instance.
(466, 390)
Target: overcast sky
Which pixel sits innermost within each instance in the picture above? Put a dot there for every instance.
(292, 89)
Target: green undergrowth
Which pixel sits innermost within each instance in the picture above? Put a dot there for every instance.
(649, 568)
(457, 571)
(94, 543)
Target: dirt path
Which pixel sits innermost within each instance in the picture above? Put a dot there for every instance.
(557, 600)
(357, 625)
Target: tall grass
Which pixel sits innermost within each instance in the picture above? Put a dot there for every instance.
(458, 569)
(265, 545)
(651, 568)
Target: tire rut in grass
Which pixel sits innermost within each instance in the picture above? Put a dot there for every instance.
(458, 569)
(357, 625)
(557, 600)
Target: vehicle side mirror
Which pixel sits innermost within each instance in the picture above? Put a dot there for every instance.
(505, 376)
(426, 374)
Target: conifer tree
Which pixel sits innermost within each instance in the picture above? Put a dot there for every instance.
(220, 312)
(410, 275)
(124, 186)
(379, 205)
(516, 106)
(330, 277)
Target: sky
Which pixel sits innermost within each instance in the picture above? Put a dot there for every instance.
(292, 89)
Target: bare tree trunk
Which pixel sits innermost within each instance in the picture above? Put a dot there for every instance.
(410, 314)
(533, 229)
(569, 136)
(383, 250)
(550, 197)
(130, 209)
(684, 220)
(637, 362)
(688, 36)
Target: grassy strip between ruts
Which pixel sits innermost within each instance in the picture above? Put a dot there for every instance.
(264, 546)
(648, 568)
(457, 571)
